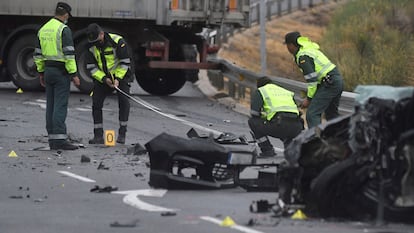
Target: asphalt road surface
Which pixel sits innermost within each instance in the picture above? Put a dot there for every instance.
(43, 191)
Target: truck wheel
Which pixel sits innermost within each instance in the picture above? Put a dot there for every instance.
(21, 65)
(86, 82)
(161, 81)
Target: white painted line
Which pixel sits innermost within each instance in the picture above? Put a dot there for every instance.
(131, 198)
(41, 105)
(236, 227)
(81, 178)
(84, 109)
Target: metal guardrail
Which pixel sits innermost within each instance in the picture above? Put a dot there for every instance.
(273, 8)
(239, 83)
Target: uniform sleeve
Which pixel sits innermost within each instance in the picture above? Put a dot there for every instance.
(38, 57)
(92, 66)
(307, 65)
(124, 59)
(69, 51)
(256, 104)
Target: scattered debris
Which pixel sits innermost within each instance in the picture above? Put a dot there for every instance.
(106, 189)
(132, 223)
(261, 206)
(139, 174)
(58, 153)
(137, 149)
(101, 166)
(264, 221)
(85, 159)
(168, 213)
(16, 197)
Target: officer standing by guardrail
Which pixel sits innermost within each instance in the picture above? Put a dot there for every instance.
(325, 84)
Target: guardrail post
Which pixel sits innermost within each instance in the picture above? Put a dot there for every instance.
(232, 89)
(279, 8)
(216, 79)
(289, 10)
(269, 10)
(241, 91)
(310, 3)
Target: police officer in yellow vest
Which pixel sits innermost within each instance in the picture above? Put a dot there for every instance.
(325, 83)
(54, 56)
(273, 113)
(109, 65)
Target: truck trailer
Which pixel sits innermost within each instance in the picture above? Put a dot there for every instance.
(165, 37)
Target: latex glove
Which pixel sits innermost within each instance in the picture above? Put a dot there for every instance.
(76, 81)
(108, 82)
(42, 79)
(305, 103)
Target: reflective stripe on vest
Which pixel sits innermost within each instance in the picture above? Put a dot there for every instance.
(277, 99)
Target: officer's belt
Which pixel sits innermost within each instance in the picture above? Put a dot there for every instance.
(285, 115)
(57, 64)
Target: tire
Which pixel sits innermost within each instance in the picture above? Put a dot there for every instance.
(21, 65)
(86, 81)
(161, 81)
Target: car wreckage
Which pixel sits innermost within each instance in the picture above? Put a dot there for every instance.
(358, 166)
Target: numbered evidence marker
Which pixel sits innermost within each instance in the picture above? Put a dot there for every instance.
(109, 137)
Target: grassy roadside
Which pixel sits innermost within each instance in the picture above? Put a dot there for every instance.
(370, 41)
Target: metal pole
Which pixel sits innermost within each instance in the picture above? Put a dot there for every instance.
(263, 59)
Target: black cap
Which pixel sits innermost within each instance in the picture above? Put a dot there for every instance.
(263, 80)
(292, 38)
(65, 6)
(92, 32)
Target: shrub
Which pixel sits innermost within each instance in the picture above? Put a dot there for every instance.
(372, 42)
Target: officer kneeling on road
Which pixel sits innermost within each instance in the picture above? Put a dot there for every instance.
(109, 64)
(273, 113)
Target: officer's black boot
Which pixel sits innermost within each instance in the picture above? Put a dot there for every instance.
(98, 136)
(266, 148)
(121, 135)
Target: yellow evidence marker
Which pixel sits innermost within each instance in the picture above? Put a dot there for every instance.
(109, 137)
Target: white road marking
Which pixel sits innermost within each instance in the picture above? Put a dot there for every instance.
(81, 178)
(39, 102)
(236, 227)
(131, 198)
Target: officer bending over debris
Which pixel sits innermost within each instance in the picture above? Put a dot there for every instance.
(273, 113)
(109, 64)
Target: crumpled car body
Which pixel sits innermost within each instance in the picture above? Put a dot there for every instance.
(197, 162)
(361, 166)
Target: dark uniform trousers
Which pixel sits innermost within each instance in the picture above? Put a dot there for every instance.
(57, 83)
(100, 91)
(283, 125)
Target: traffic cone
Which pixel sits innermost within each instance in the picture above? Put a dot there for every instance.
(19, 91)
(12, 154)
(227, 222)
(299, 215)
